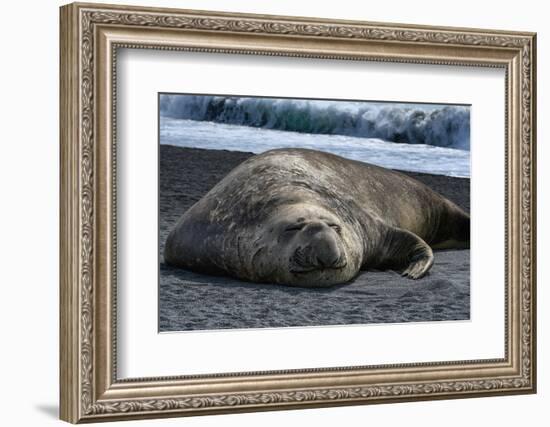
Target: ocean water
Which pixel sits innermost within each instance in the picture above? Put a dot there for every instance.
(428, 124)
(402, 156)
(431, 138)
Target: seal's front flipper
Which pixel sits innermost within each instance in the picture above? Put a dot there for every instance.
(406, 252)
(421, 260)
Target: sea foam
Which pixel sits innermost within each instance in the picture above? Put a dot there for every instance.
(408, 157)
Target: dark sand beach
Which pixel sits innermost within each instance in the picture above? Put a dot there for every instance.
(190, 301)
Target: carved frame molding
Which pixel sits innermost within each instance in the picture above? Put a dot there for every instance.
(90, 36)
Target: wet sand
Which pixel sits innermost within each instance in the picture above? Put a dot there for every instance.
(190, 301)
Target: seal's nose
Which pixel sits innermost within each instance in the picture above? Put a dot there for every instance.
(328, 259)
(325, 245)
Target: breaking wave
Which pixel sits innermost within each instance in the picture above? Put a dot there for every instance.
(436, 125)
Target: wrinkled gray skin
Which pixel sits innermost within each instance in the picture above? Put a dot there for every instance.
(309, 218)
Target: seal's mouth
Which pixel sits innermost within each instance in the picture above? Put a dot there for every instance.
(304, 270)
(305, 261)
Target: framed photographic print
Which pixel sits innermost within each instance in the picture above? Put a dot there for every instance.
(266, 212)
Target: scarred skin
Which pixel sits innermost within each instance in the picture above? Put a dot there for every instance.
(308, 218)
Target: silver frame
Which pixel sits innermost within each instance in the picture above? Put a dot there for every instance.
(90, 37)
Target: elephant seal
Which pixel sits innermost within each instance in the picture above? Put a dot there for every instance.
(309, 218)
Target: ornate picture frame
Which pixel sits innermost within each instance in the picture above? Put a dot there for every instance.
(90, 37)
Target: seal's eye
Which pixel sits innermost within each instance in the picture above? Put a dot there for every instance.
(335, 227)
(295, 227)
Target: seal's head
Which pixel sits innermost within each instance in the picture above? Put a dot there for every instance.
(305, 245)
